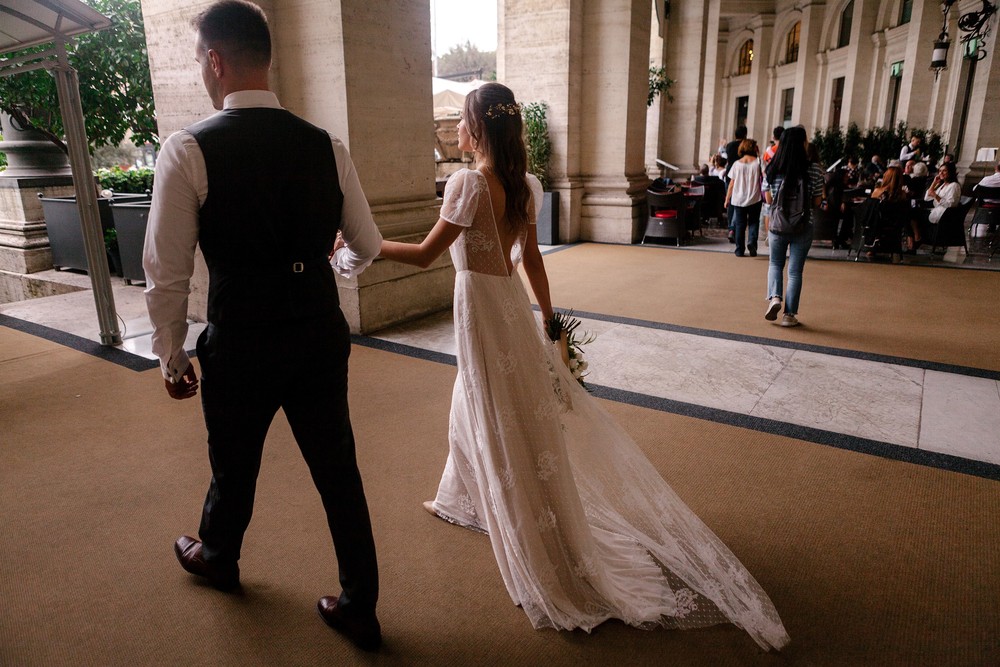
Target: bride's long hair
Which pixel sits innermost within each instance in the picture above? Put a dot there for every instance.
(493, 119)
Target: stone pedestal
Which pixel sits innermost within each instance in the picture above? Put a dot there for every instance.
(24, 241)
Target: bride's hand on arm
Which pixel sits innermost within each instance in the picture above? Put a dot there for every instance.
(337, 244)
(423, 254)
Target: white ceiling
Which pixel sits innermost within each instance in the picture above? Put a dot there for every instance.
(25, 23)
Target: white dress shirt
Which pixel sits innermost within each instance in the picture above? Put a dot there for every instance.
(909, 153)
(991, 181)
(179, 191)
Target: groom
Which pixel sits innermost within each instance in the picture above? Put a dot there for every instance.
(263, 193)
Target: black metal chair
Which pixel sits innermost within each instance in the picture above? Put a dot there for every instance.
(987, 210)
(878, 227)
(715, 197)
(695, 197)
(667, 216)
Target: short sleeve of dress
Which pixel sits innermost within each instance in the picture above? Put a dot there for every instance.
(536, 194)
(461, 198)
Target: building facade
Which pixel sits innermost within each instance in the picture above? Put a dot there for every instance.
(363, 71)
(828, 63)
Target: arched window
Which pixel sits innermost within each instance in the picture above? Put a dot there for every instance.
(746, 58)
(792, 44)
(846, 21)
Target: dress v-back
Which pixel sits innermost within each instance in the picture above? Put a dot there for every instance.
(583, 527)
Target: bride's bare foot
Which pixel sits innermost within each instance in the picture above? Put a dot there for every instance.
(429, 506)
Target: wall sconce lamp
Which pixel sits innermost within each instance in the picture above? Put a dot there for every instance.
(974, 25)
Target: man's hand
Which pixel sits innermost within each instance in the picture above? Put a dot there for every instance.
(185, 387)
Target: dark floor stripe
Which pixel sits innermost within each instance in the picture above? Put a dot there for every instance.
(820, 349)
(407, 350)
(921, 260)
(839, 440)
(113, 354)
(830, 438)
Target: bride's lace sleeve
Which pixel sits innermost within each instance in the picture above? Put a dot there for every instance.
(461, 198)
(536, 193)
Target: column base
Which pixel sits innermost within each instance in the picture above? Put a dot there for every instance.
(612, 217)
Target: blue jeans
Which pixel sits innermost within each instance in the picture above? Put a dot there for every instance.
(797, 247)
(746, 220)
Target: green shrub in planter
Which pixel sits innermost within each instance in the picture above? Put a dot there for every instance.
(117, 180)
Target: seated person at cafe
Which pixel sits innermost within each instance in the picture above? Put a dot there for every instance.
(851, 173)
(992, 181)
(874, 169)
(944, 193)
(895, 205)
(891, 188)
(718, 168)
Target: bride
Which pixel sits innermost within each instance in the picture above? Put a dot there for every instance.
(583, 527)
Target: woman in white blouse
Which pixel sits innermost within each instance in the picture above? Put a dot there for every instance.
(944, 193)
(744, 196)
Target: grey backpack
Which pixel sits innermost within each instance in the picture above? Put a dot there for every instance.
(790, 208)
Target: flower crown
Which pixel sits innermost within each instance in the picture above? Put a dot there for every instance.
(498, 109)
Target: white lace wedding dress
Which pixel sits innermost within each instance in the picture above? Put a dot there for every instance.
(583, 527)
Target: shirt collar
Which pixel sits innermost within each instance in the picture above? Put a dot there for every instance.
(245, 99)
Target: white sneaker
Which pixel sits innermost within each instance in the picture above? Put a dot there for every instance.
(772, 309)
(789, 321)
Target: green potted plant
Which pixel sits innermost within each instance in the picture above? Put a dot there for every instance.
(536, 128)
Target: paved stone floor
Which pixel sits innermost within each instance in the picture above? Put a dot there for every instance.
(869, 400)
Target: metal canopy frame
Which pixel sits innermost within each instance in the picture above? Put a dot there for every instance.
(28, 23)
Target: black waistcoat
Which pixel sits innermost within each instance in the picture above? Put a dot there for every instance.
(270, 218)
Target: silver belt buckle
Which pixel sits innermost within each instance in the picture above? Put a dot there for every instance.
(298, 267)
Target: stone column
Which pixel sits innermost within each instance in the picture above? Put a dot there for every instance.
(589, 61)
(361, 70)
(919, 85)
(759, 122)
(539, 52)
(615, 86)
(690, 56)
(654, 113)
(806, 81)
(857, 100)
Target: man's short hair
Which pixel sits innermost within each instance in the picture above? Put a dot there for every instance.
(741, 132)
(777, 132)
(238, 30)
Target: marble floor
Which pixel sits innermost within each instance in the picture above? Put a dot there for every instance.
(923, 409)
(845, 395)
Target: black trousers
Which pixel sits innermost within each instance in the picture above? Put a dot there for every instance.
(246, 376)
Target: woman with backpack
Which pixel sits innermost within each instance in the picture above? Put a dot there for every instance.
(794, 188)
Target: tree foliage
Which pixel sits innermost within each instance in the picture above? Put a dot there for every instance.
(536, 131)
(834, 143)
(467, 59)
(115, 87)
(659, 83)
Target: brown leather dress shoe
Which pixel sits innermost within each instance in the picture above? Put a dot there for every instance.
(364, 633)
(224, 577)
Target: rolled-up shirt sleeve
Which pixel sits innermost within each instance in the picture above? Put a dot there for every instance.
(361, 236)
(179, 188)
